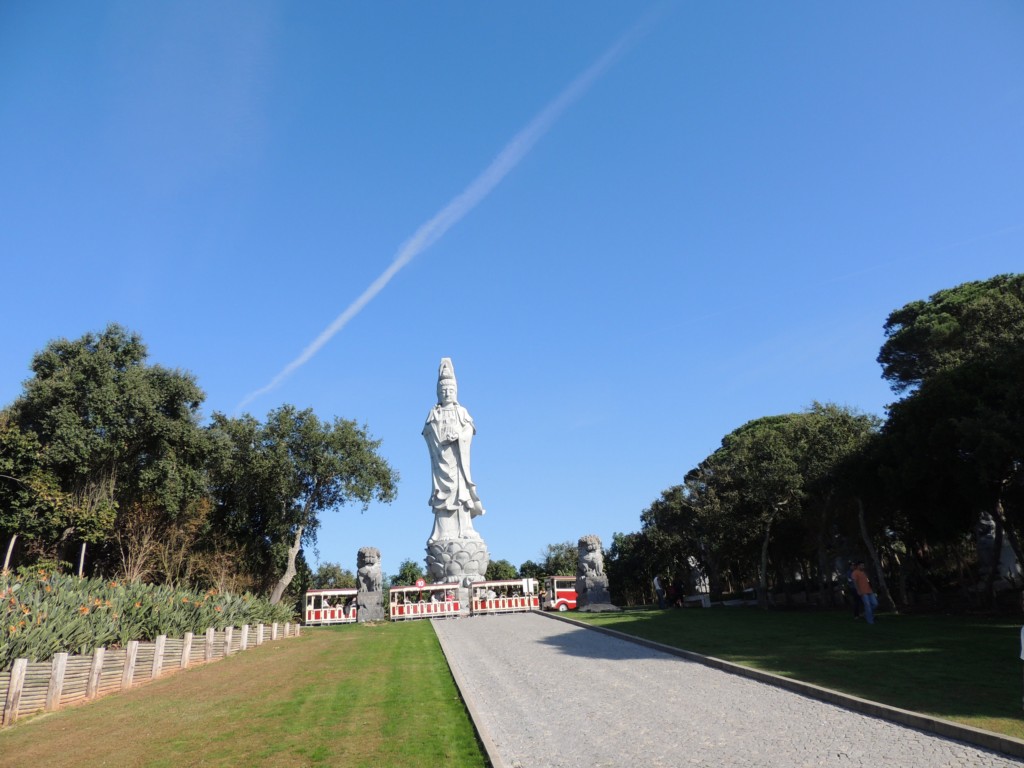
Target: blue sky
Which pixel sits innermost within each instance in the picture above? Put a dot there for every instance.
(712, 229)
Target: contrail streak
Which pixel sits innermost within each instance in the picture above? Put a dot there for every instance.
(430, 232)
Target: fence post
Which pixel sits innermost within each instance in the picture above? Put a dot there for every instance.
(243, 643)
(229, 633)
(273, 631)
(259, 634)
(14, 691)
(56, 687)
(129, 664)
(94, 673)
(158, 657)
(186, 650)
(287, 628)
(209, 643)
(298, 629)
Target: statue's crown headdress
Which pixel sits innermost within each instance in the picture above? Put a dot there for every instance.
(445, 372)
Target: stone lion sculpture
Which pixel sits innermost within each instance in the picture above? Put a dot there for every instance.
(591, 558)
(591, 582)
(369, 572)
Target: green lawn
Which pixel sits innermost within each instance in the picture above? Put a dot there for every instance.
(961, 668)
(383, 695)
(356, 695)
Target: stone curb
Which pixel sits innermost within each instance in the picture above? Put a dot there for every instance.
(493, 756)
(995, 742)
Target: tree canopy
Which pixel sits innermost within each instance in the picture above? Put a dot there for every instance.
(501, 569)
(103, 447)
(273, 480)
(791, 498)
(409, 572)
(116, 433)
(977, 320)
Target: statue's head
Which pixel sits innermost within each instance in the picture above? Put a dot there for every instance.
(447, 389)
(589, 543)
(368, 556)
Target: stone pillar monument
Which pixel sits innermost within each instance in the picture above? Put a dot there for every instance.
(591, 582)
(369, 581)
(456, 554)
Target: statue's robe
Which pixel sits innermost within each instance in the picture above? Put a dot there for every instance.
(454, 500)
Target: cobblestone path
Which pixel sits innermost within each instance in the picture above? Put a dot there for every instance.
(547, 693)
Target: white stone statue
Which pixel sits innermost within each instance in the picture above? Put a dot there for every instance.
(449, 434)
(455, 551)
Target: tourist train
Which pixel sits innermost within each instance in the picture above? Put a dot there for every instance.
(330, 606)
(429, 601)
(504, 596)
(560, 593)
(424, 601)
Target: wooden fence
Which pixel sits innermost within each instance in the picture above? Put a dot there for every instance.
(30, 687)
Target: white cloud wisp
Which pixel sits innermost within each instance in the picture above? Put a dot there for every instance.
(430, 232)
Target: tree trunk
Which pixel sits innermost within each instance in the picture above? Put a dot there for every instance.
(1011, 535)
(902, 579)
(914, 555)
(10, 550)
(81, 561)
(289, 572)
(714, 579)
(762, 592)
(882, 585)
(827, 596)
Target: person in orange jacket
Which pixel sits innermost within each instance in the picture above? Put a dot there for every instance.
(864, 591)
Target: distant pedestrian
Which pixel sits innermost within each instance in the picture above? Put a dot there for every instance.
(867, 595)
(659, 591)
(672, 593)
(851, 590)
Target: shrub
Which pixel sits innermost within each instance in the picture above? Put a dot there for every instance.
(43, 613)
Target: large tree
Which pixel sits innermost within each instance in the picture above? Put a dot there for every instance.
(333, 576)
(409, 572)
(560, 559)
(32, 505)
(118, 433)
(760, 466)
(690, 520)
(832, 436)
(774, 486)
(501, 569)
(954, 446)
(631, 566)
(272, 481)
(976, 320)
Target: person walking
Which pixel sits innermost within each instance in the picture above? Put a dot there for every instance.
(867, 595)
(659, 591)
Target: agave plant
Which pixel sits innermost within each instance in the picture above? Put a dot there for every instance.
(44, 613)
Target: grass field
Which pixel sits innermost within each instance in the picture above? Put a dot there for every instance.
(358, 695)
(960, 668)
(382, 695)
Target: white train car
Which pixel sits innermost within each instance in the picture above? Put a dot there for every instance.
(504, 596)
(424, 601)
(330, 606)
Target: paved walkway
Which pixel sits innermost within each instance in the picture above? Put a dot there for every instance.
(547, 693)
